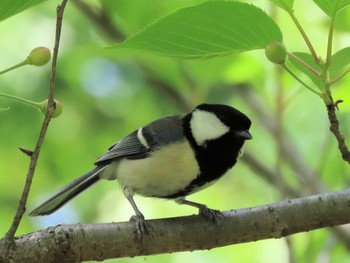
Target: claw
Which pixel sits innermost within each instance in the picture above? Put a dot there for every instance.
(213, 215)
(140, 227)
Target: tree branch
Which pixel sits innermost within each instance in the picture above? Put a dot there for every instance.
(72, 243)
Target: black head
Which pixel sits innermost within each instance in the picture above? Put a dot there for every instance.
(228, 115)
(217, 134)
(211, 121)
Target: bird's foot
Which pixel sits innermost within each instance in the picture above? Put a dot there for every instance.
(215, 216)
(140, 226)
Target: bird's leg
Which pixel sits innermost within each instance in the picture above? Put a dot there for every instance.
(212, 214)
(138, 218)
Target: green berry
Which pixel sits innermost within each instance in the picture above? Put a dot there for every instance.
(39, 56)
(58, 108)
(276, 52)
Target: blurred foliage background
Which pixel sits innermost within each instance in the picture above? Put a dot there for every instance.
(107, 93)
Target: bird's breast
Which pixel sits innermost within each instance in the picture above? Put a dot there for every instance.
(164, 172)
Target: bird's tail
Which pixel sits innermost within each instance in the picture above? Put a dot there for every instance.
(67, 193)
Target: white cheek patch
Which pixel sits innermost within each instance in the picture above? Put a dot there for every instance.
(206, 126)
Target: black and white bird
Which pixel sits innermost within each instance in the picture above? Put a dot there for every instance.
(169, 158)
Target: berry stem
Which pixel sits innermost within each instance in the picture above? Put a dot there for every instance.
(24, 101)
(284, 66)
(24, 62)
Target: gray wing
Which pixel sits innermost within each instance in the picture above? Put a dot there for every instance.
(161, 132)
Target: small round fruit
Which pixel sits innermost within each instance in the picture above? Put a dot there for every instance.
(276, 52)
(39, 56)
(58, 108)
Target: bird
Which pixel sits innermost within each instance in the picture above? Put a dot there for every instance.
(170, 158)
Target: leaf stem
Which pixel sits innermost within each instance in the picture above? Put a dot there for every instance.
(331, 82)
(330, 41)
(284, 66)
(301, 61)
(305, 37)
(21, 100)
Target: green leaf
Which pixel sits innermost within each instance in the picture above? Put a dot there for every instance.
(339, 60)
(331, 7)
(310, 61)
(210, 29)
(286, 5)
(9, 8)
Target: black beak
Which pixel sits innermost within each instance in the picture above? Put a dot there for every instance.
(244, 134)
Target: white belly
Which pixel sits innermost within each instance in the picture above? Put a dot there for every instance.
(164, 173)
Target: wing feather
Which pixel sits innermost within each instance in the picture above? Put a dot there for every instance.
(130, 146)
(168, 130)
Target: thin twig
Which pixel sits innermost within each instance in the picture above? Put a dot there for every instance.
(332, 107)
(334, 127)
(34, 158)
(60, 12)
